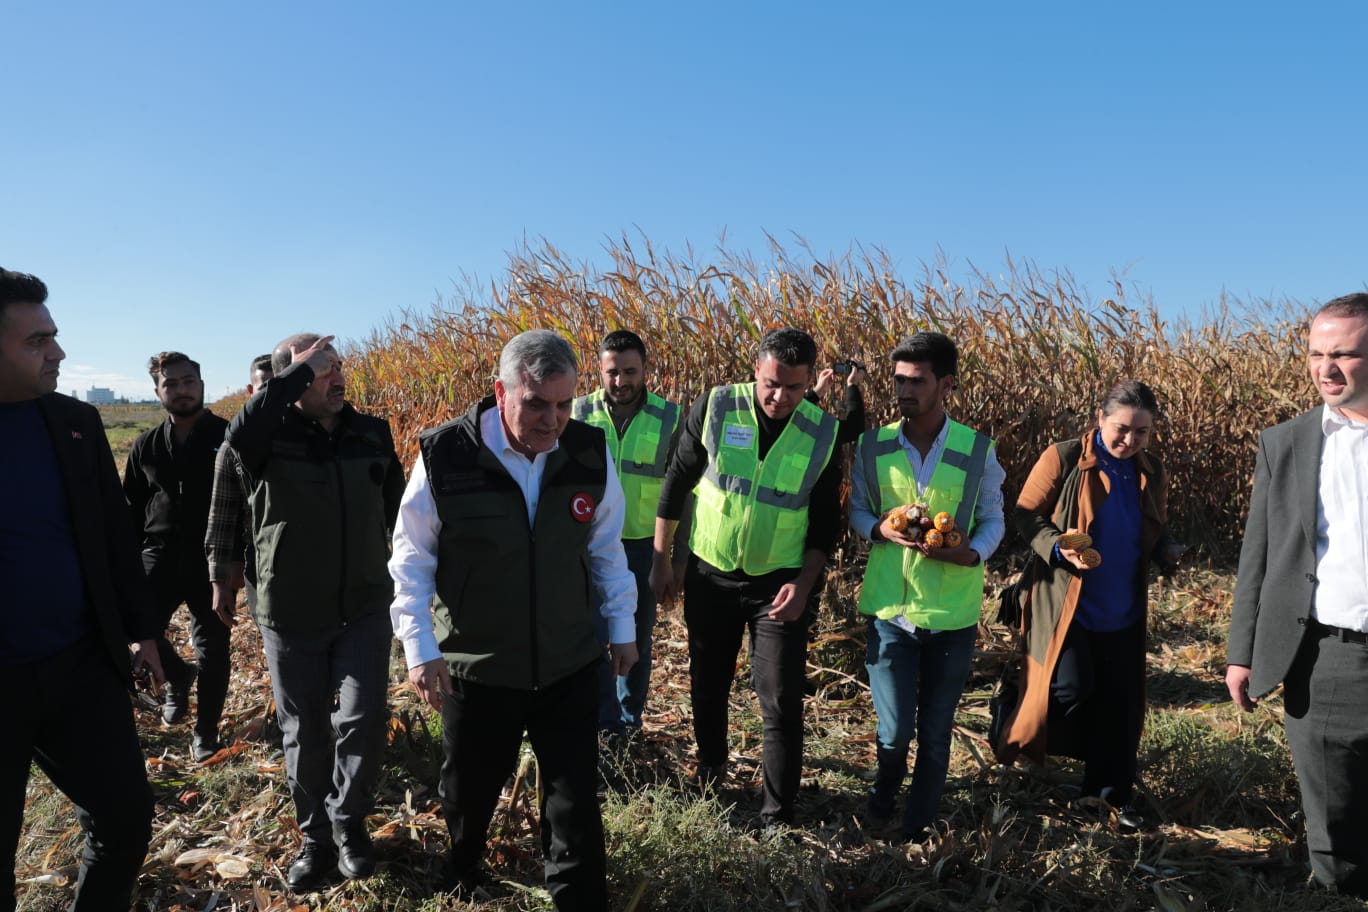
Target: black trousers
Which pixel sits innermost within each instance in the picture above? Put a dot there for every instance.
(1327, 730)
(1099, 686)
(176, 578)
(71, 715)
(482, 729)
(717, 612)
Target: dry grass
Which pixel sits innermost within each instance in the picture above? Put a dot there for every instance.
(1219, 785)
(123, 424)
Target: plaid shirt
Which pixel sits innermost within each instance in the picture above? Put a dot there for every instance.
(225, 540)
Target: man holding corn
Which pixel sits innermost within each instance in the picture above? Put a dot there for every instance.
(923, 585)
(766, 515)
(641, 428)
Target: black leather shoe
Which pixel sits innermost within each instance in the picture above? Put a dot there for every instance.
(203, 747)
(176, 699)
(467, 887)
(315, 863)
(355, 855)
(1128, 818)
(707, 778)
(881, 806)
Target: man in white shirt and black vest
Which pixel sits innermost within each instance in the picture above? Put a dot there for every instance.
(509, 540)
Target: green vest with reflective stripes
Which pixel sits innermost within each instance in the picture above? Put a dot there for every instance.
(898, 580)
(752, 514)
(641, 455)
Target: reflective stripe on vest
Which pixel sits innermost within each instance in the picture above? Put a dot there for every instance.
(752, 514)
(641, 455)
(899, 581)
(972, 464)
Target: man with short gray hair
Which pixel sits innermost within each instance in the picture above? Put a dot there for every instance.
(507, 544)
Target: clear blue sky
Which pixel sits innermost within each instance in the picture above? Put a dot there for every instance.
(213, 177)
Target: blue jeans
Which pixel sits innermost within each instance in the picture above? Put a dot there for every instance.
(622, 698)
(916, 680)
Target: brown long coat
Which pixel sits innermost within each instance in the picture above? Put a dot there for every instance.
(1040, 517)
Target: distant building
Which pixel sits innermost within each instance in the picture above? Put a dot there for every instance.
(99, 395)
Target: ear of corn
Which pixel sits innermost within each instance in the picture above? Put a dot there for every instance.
(1074, 541)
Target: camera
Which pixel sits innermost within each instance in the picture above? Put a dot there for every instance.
(843, 368)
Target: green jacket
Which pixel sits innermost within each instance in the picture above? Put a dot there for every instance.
(515, 602)
(322, 506)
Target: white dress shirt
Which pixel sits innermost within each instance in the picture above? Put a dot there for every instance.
(1341, 521)
(414, 561)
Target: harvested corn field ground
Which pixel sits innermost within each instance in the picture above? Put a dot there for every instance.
(1218, 785)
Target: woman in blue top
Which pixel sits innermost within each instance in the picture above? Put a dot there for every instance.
(1082, 691)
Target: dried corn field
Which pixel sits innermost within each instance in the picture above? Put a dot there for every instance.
(1218, 785)
(1036, 354)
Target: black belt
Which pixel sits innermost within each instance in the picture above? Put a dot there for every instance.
(1339, 633)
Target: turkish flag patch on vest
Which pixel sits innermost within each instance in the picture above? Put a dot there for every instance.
(582, 507)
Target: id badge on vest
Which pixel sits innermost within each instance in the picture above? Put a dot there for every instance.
(737, 435)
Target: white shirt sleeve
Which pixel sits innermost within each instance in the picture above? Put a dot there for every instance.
(613, 582)
(413, 564)
(863, 519)
(989, 522)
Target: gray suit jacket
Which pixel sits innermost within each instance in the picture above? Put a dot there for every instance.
(1276, 585)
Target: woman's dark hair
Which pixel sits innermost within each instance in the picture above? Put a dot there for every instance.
(1131, 393)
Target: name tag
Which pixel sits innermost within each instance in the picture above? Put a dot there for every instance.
(738, 436)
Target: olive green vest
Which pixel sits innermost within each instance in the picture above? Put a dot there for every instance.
(515, 602)
(641, 455)
(748, 514)
(900, 581)
(319, 525)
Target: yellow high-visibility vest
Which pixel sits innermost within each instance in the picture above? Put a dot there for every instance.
(899, 581)
(641, 455)
(750, 514)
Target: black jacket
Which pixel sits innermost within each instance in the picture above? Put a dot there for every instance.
(167, 485)
(112, 571)
(322, 506)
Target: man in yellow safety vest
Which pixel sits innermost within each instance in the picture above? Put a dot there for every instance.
(641, 428)
(923, 589)
(766, 516)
